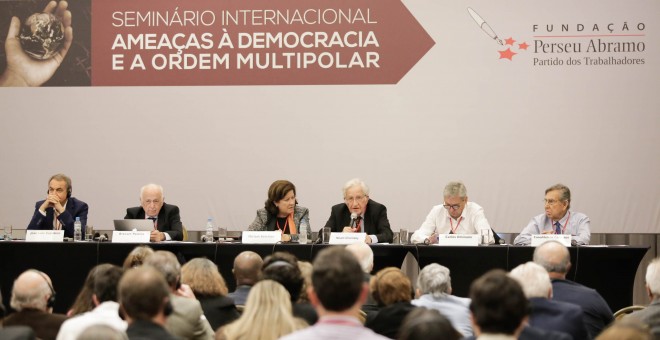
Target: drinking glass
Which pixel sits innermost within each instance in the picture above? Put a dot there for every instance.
(8, 231)
(325, 234)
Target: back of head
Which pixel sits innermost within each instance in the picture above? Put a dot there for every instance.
(203, 277)
(364, 254)
(31, 290)
(106, 281)
(434, 279)
(306, 272)
(137, 256)
(390, 285)
(534, 280)
(553, 256)
(247, 268)
(422, 324)
(498, 303)
(337, 279)
(283, 268)
(653, 277)
(143, 293)
(166, 263)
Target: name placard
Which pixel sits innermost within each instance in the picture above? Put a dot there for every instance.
(261, 237)
(564, 239)
(347, 238)
(458, 240)
(119, 236)
(44, 236)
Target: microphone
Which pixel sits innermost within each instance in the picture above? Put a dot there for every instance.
(353, 220)
(100, 238)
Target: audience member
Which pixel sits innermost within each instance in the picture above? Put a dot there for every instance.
(365, 256)
(167, 221)
(267, 315)
(651, 314)
(137, 256)
(338, 291)
(306, 272)
(59, 210)
(627, 329)
(554, 257)
(105, 278)
(247, 269)
(100, 331)
(283, 268)
(144, 297)
(392, 290)
(422, 324)
(204, 279)
(187, 319)
(371, 216)
(33, 297)
(17, 333)
(434, 292)
(545, 313)
(83, 302)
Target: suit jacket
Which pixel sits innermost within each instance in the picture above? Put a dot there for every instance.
(169, 220)
(219, 310)
(147, 330)
(388, 320)
(375, 220)
(597, 313)
(558, 316)
(649, 315)
(240, 294)
(45, 325)
(74, 208)
(263, 222)
(188, 320)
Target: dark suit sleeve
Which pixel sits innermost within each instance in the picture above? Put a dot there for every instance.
(76, 208)
(333, 220)
(38, 220)
(383, 229)
(174, 227)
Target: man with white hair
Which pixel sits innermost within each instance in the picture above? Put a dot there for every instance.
(434, 292)
(166, 218)
(33, 297)
(370, 216)
(545, 313)
(365, 256)
(455, 216)
(651, 314)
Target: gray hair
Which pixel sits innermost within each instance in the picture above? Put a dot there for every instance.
(434, 279)
(564, 195)
(553, 257)
(152, 186)
(22, 297)
(653, 276)
(167, 264)
(455, 189)
(364, 254)
(533, 278)
(356, 182)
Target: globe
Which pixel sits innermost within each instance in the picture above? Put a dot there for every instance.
(42, 35)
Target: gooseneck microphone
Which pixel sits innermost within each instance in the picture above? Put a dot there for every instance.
(353, 220)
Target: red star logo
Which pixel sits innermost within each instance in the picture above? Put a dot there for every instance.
(507, 54)
(523, 46)
(509, 41)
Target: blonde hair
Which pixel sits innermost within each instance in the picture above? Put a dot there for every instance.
(203, 277)
(137, 256)
(267, 315)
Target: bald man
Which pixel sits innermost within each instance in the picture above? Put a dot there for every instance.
(247, 267)
(33, 297)
(554, 257)
(167, 221)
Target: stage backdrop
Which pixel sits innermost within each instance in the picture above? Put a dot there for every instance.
(215, 100)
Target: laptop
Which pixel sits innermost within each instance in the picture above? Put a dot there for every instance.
(130, 225)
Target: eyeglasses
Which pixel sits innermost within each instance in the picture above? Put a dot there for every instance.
(354, 199)
(551, 202)
(149, 202)
(451, 206)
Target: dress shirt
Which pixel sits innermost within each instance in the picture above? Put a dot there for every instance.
(472, 220)
(335, 327)
(106, 313)
(578, 227)
(455, 309)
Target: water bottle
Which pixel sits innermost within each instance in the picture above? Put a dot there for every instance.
(302, 235)
(77, 230)
(208, 237)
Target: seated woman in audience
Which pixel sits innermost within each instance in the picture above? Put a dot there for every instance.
(392, 290)
(281, 211)
(83, 302)
(137, 256)
(422, 324)
(306, 272)
(204, 279)
(267, 315)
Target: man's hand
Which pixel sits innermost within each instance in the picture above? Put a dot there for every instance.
(52, 201)
(433, 239)
(157, 236)
(22, 70)
(348, 230)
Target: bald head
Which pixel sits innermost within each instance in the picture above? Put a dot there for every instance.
(31, 290)
(554, 257)
(247, 267)
(363, 254)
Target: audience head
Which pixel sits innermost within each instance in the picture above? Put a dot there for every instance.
(356, 196)
(434, 279)
(364, 254)
(144, 295)
(557, 201)
(247, 268)
(498, 304)
(203, 277)
(137, 256)
(653, 278)
(390, 285)
(554, 257)
(106, 280)
(151, 199)
(337, 280)
(534, 280)
(32, 289)
(60, 185)
(281, 198)
(306, 272)
(282, 267)
(167, 264)
(626, 329)
(455, 195)
(422, 324)
(100, 331)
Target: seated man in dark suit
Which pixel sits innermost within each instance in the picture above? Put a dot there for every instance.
(167, 222)
(548, 314)
(59, 210)
(371, 215)
(247, 268)
(554, 257)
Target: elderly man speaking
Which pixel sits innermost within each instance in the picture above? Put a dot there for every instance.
(167, 222)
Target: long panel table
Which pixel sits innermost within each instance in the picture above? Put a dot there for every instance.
(610, 270)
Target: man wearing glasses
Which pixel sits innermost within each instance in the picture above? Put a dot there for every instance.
(455, 216)
(557, 219)
(370, 216)
(167, 221)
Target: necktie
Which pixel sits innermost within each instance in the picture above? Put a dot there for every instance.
(153, 219)
(56, 223)
(557, 228)
(357, 223)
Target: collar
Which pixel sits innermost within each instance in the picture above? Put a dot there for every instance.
(562, 221)
(343, 320)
